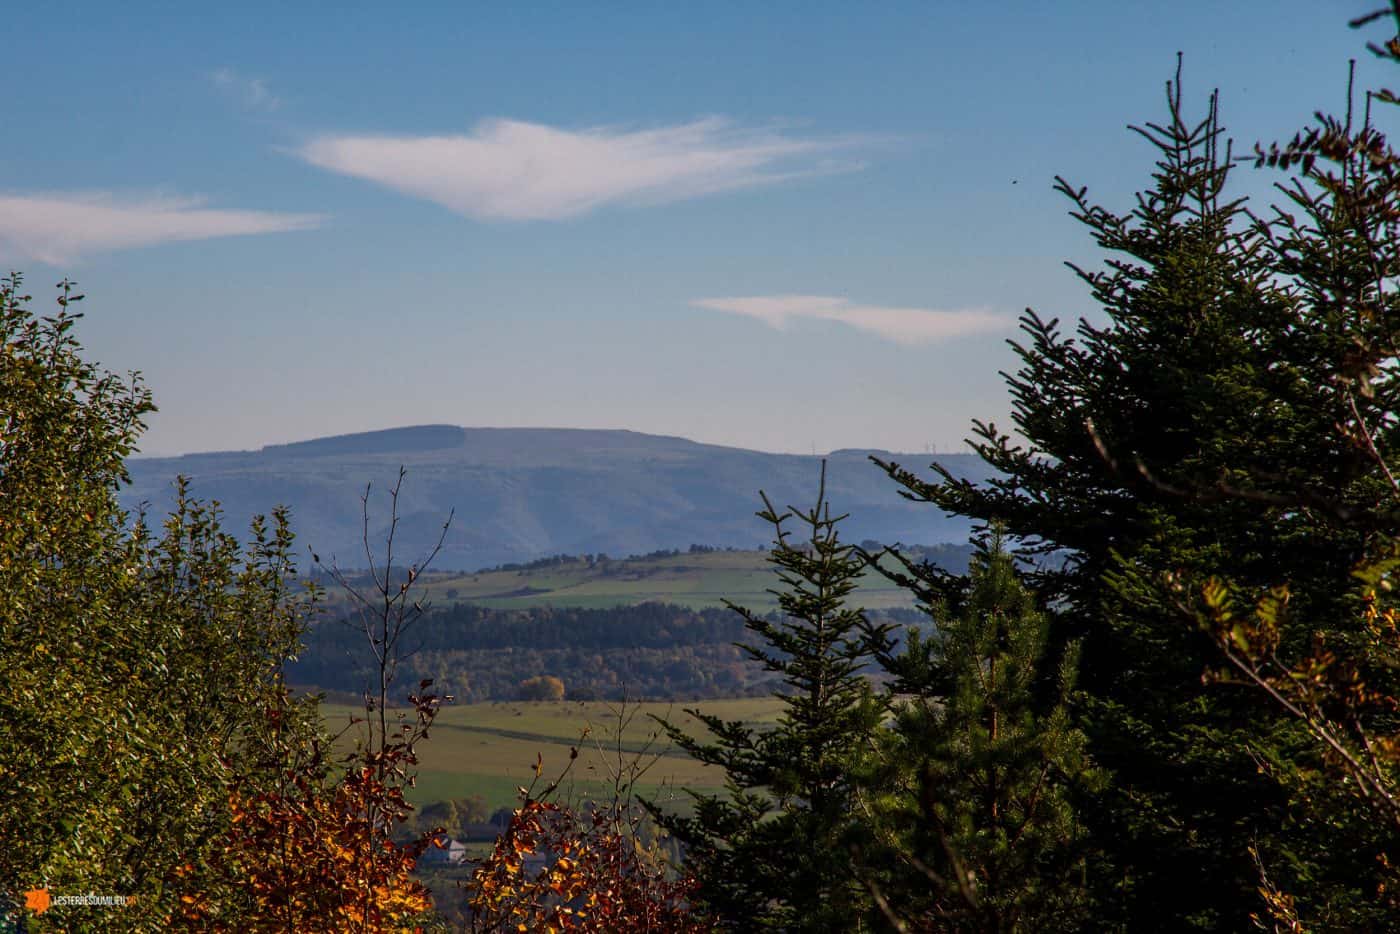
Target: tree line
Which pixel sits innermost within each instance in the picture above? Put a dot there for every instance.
(653, 651)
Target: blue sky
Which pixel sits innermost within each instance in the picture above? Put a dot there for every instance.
(782, 226)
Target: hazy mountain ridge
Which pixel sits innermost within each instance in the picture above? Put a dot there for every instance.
(521, 493)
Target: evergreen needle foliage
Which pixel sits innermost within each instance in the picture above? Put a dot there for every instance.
(773, 852)
(1227, 420)
(978, 817)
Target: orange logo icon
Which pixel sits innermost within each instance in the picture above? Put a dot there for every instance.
(37, 900)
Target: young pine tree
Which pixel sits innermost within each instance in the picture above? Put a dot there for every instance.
(773, 851)
(978, 817)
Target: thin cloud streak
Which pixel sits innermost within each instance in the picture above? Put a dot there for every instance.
(250, 93)
(517, 171)
(59, 227)
(901, 325)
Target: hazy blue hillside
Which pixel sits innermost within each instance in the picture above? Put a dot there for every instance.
(521, 493)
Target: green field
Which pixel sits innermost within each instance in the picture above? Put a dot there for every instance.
(491, 749)
(692, 580)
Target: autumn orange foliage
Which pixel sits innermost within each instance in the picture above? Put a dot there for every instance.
(313, 851)
(556, 870)
(1332, 692)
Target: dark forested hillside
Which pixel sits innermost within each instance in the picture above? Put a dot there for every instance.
(521, 493)
(649, 651)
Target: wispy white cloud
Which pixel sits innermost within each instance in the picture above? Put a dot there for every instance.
(512, 170)
(59, 227)
(250, 93)
(903, 325)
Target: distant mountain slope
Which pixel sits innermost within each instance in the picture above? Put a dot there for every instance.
(521, 493)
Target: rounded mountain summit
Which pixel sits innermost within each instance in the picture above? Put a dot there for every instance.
(523, 493)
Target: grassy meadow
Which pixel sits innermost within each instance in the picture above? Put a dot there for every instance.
(692, 580)
(491, 749)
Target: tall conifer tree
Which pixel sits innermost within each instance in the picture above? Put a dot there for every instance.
(772, 851)
(1216, 423)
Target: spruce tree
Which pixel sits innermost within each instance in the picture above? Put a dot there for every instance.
(1222, 421)
(978, 809)
(773, 850)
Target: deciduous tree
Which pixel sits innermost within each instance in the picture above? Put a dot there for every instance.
(152, 749)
